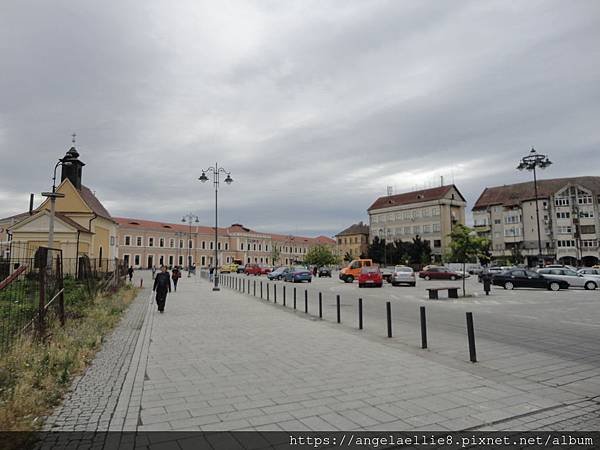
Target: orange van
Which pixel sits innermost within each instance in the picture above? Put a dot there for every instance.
(352, 271)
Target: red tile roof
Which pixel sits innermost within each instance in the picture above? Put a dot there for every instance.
(513, 194)
(407, 198)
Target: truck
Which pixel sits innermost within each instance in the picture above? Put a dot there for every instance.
(350, 273)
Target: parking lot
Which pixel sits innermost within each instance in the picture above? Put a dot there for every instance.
(533, 334)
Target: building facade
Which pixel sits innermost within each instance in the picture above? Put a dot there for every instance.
(353, 242)
(429, 214)
(146, 243)
(569, 221)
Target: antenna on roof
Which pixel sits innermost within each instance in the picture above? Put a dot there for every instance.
(441, 180)
(73, 138)
(390, 191)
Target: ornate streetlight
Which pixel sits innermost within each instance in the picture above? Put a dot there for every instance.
(216, 171)
(531, 162)
(189, 218)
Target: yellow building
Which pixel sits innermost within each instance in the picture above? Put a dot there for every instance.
(82, 226)
(353, 242)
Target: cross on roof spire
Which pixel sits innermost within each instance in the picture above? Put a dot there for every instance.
(73, 136)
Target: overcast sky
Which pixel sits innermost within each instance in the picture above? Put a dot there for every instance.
(314, 106)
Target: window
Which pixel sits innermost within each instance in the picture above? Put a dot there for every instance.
(426, 228)
(417, 229)
(127, 240)
(586, 213)
(226, 246)
(435, 210)
(218, 246)
(139, 241)
(512, 219)
(390, 217)
(406, 230)
(587, 243)
(417, 213)
(203, 245)
(561, 201)
(587, 229)
(406, 215)
(180, 243)
(436, 227)
(136, 260)
(565, 243)
(151, 242)
(586, 200)
(497, 221)
(374, 219)
(242, 244)
(437, 243)
(112, 241)
(259, 247)
(190, 245)
(512, 232)
(212, 245)
(563, 215)
(254, 246)
(171, 258)
(161, 242)
(172, 243)
(203, 260)
(426, 212)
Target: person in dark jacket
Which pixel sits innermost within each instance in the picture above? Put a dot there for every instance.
(130, 273)
(162, 285)
(175, 276)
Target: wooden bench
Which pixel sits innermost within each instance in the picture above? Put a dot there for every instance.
(433, 292)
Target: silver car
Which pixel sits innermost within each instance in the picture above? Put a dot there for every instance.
(590, 273)
(570, 276)
(403, 275)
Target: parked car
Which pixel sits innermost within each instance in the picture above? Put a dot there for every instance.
(252, 269)
(560, 266)
(570, 276)
(324, 272)
(387, 272)
(490, 271)
(298, 275)
(240, 268)
(590, 272)
(278, 273)
(438, 273)
(351, 272)
(403, 275)
(515, 278)
(370, 276)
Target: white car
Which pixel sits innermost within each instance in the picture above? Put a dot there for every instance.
(570, 276)
(590, 273)
(403, 275)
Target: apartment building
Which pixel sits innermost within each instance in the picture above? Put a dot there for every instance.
(353, 241)
(568, 212)
(428, 214)
(146, 243)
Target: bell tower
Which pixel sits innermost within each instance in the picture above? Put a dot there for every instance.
(72, 171)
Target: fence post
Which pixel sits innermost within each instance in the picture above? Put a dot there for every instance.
(42, 302)
(254, 288)
(388, 307)
(360, 314)
(141, 282)
(268, 289)
(61, 286)
(471, 334)
(338, 306)
(261, 290)
(305, 301)
(423, 328)
(320, 305)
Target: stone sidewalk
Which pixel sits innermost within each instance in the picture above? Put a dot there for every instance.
(225, 361)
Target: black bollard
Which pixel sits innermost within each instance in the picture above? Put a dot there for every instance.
(360, 315)
(471, 334)
(388, 306)
(275, 293)
(423, 328)
(141, 282)
(305, 301)
(294, 298)
(261, 291)
(268, 291)
(254, 288)
(283, 295)
(338, 306)
(320, 305)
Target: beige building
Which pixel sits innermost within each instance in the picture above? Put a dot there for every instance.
(146, 243)
(429, 214)
(353, 241)
(82, 226)
(569, 219)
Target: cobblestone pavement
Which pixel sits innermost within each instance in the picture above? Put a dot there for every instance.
(96, 397)
(225, 361)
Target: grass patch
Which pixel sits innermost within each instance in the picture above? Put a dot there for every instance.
(34, 376)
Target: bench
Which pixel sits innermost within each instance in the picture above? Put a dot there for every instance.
(433, 292)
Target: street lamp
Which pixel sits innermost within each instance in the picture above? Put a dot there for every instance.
(53, 196)
(189, 217)
(531, 162)
(216, 171)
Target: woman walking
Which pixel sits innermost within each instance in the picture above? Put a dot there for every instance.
(175, 276)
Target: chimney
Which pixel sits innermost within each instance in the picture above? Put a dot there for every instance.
(30, 204)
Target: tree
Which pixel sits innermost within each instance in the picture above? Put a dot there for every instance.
(466, 246)
(375, 251)
(516, 256)
(320, 255)
(348, 256)
(419, 252)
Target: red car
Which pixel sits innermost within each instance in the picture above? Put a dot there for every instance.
(370, 276)
(438, 273)
(256, 269)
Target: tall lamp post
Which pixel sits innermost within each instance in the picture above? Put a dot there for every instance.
(531, 162)
(189, 218)
(53, 196)
(216, 171)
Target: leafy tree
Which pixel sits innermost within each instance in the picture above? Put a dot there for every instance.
(418, 251)
(375, 251)
(516, 256)
(466, 246)
(320, 255)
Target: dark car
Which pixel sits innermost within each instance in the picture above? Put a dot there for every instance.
(324, 272)
(240, 268)
(298, 275)
(278, 273)
(517, 278)
(438, 273)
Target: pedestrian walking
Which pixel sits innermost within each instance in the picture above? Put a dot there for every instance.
(130, 273)
(211, 271)
(153, 272)
(175, 276)
(315, 271)
(162, 285)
